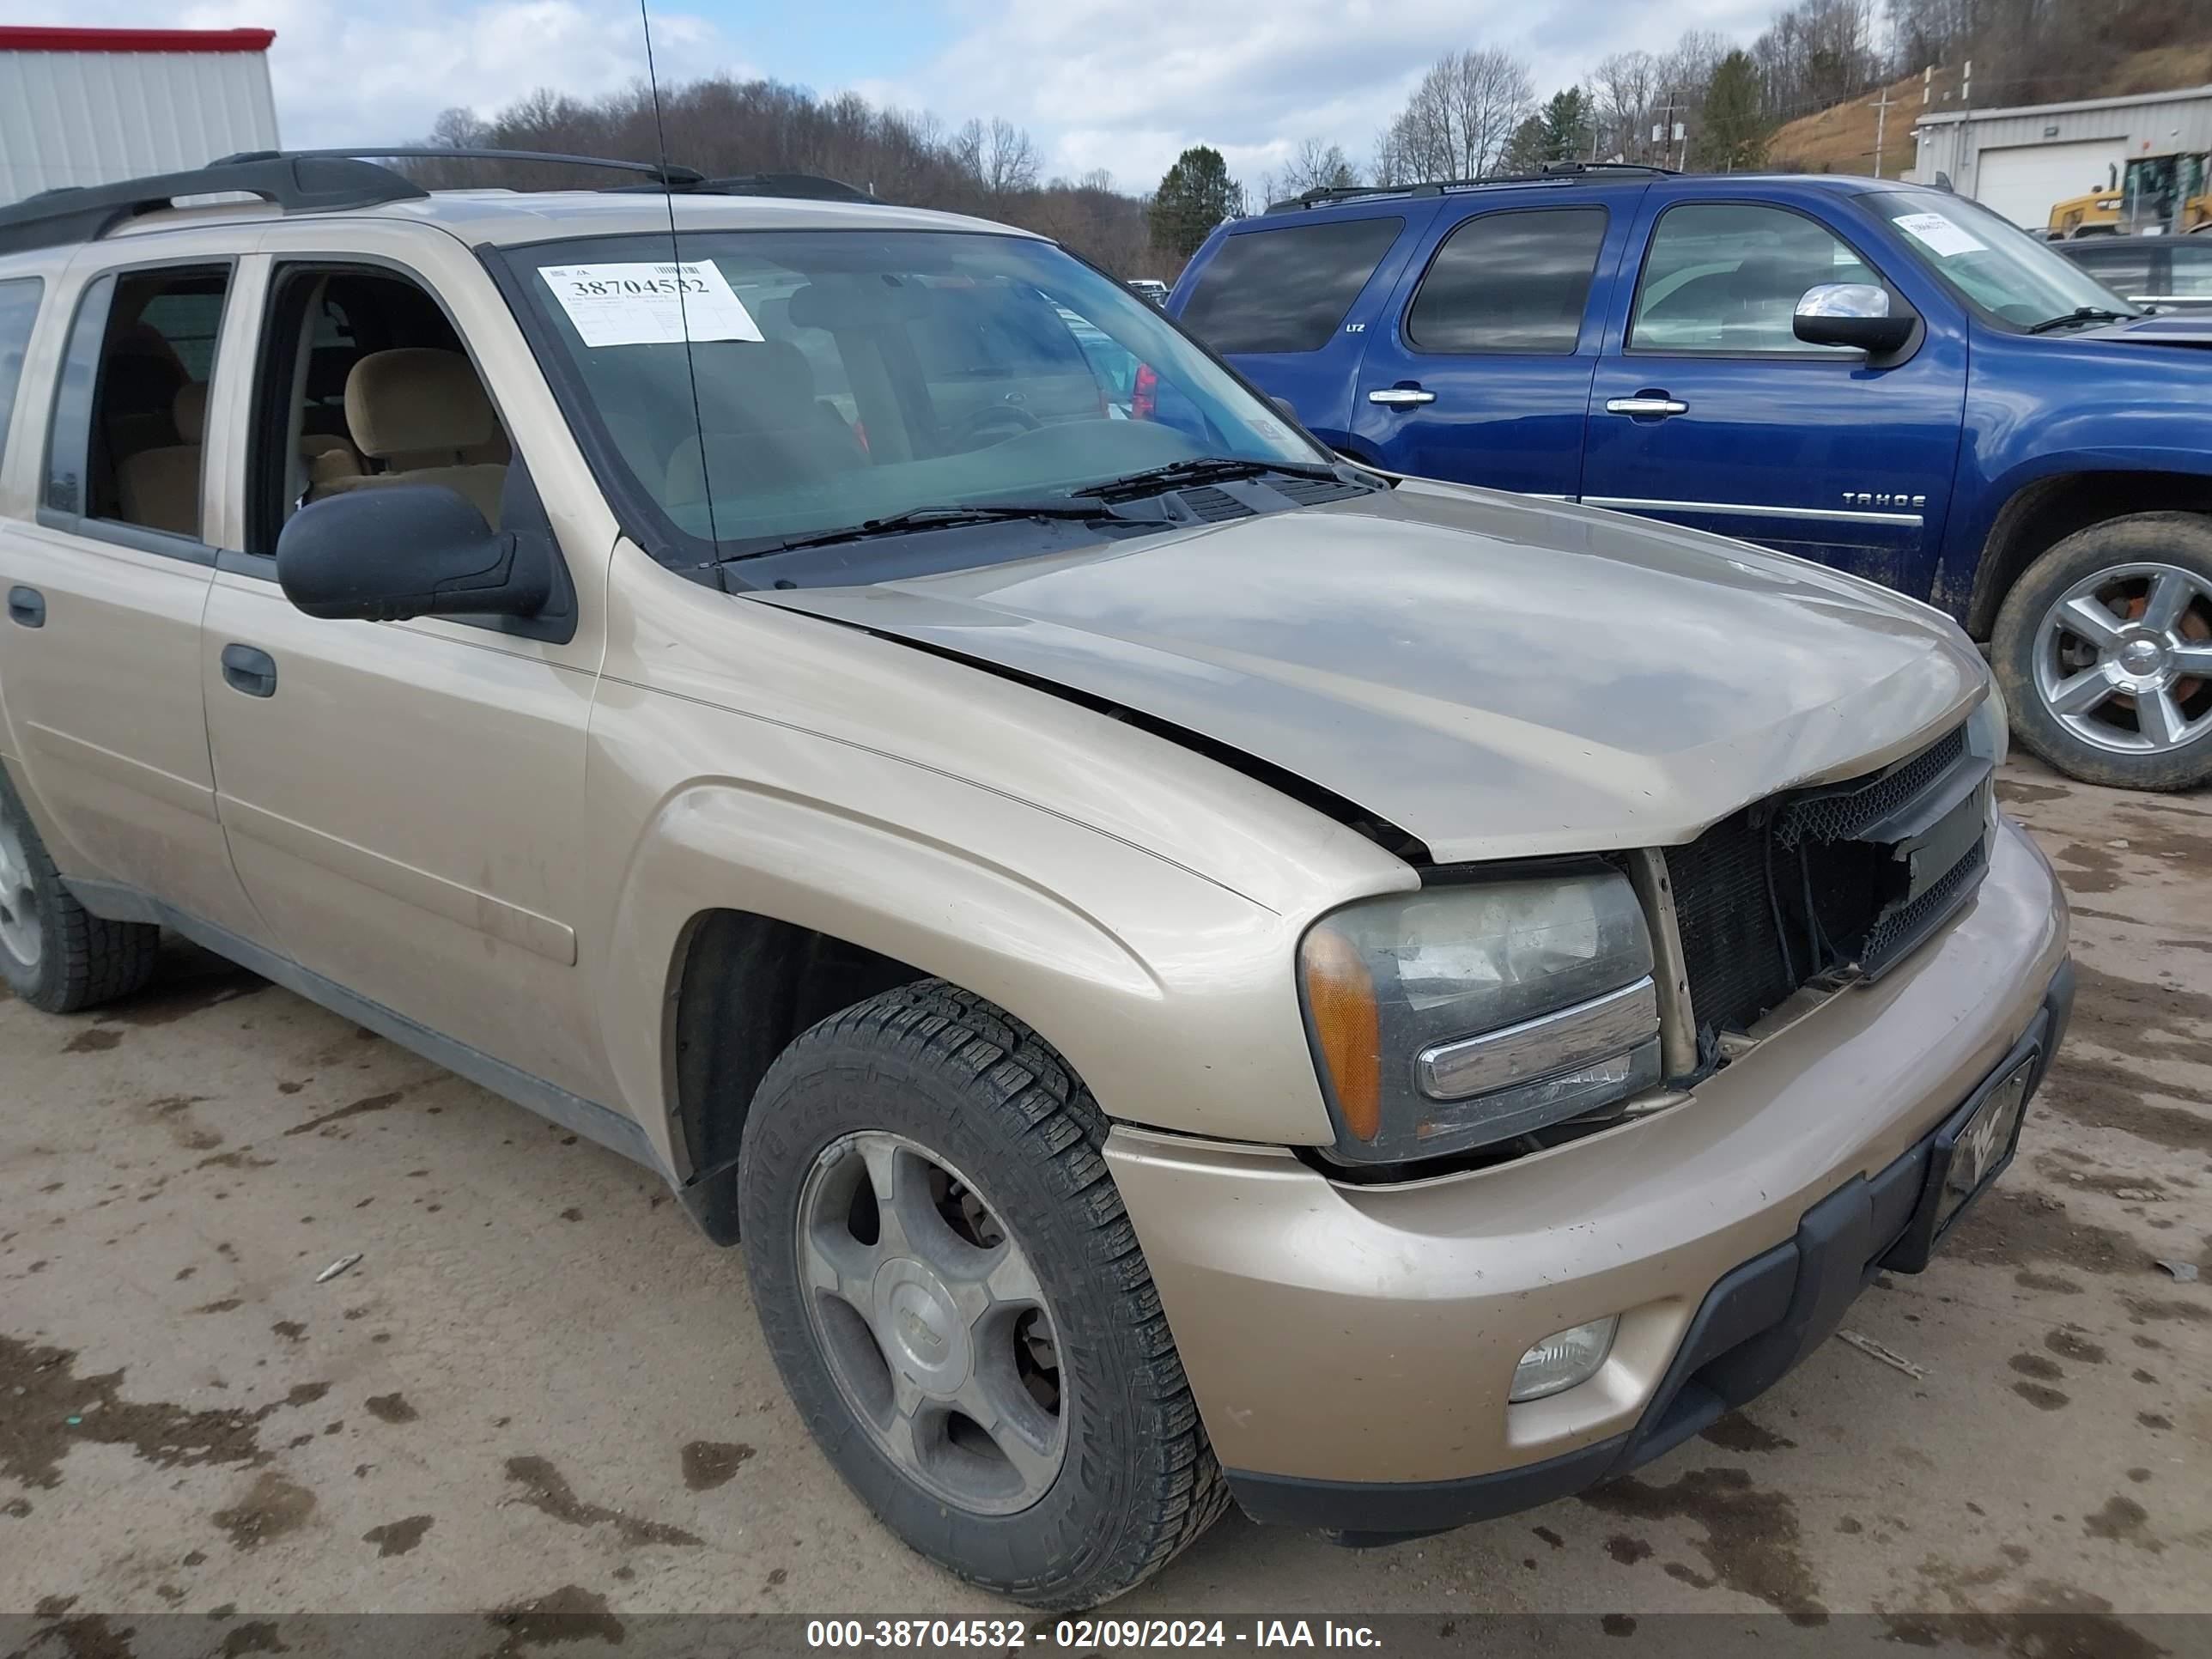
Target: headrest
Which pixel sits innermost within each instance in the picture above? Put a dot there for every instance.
(189, 411)
(413, 398)
(754, 384)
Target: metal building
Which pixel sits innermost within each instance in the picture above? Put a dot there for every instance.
(88, 107)
(2020, 162)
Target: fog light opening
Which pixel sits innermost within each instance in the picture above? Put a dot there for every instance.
(1563, 1359)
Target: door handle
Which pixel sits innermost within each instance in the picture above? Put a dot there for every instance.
(1648, 404)
(1400, 397)
(26, 607)
(253, 673)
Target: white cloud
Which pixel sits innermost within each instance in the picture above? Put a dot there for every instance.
(380, 72)
(1102, 83)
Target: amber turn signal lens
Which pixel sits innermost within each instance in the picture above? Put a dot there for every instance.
(1340, 998)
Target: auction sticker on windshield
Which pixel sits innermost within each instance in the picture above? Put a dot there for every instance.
(1938, 234)
(649, 304)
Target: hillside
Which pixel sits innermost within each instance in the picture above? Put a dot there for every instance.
(1840, 138)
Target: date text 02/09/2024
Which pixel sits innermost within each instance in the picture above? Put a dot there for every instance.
(1086, 1634)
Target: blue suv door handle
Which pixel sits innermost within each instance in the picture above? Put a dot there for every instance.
(1649, 404)
(1400, 397)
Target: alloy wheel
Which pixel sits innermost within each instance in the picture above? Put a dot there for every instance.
(933, 1323)
(2124, 659)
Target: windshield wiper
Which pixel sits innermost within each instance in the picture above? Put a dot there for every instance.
(2082, 314)
(947, 516)
(1203, 469)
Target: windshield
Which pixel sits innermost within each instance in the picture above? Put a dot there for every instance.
(848, 376)
(1995, 266)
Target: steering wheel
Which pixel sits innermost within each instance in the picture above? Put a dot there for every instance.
(994, 425)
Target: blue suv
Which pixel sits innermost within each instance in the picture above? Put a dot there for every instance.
(1889, 380)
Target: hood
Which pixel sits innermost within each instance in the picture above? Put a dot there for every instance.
(2179, 328)
(1497, 676)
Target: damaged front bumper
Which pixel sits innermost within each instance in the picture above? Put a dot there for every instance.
(1352, 1348)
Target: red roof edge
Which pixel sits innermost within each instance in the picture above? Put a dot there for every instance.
(20, 39)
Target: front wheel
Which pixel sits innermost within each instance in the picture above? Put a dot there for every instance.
(958, 1305)
(2104, 647)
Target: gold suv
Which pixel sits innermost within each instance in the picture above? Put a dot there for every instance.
(1199, 971)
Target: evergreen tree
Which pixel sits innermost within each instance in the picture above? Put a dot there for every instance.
(1732, 135)
(1566, 125)
(1526, 150)
(1195, 195)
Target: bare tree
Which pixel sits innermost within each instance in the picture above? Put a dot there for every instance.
(722, 125)
(1315, 164)
(998, 157)
(1461, 116)
(1626, 88)
(1392, 164)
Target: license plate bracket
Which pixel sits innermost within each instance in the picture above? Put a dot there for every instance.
(1971, 1150)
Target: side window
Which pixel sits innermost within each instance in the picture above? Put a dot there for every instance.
(1287, 289)
(19, 308)
(2126, 270)
(1510, 282)
(132, 406)
(363, 383)
(1727, 275)
(2190, 279)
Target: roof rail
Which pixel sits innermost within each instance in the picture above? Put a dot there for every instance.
(663, 178)
(301, 183)
(326, 180)
(1330, 195)
(794, 186)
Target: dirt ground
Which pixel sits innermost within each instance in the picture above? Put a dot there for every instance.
(540, 1383)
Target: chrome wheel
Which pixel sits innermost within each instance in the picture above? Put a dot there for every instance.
(2124, 659)
(19, 901)
(932, 1323)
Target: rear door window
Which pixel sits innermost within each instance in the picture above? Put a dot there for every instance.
(1510, 282)
(1287, 289)
(126, 443)
(19, 308)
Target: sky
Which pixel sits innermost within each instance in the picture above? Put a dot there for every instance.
(1122, 85)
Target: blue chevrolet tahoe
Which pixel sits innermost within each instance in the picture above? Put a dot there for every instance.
(1889, 380)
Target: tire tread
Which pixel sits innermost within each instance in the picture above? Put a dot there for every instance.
(1180, 1490)
(89, 959)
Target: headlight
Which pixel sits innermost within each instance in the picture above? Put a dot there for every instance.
(1459, 1015)
(1989, 728)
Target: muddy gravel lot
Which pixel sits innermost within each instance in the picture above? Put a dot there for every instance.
(539, 1388)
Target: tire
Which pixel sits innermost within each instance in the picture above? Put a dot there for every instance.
(2150, 724)
(54, 953)
(950, 1078)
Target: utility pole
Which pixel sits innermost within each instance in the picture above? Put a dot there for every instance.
(1881, 125)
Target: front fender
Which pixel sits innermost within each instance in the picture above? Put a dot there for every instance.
(1171, 996)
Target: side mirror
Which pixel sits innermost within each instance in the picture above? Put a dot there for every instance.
(1853, 314)
(393, 551)
(1285, 406)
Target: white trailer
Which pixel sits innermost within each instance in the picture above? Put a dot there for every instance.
(89, 106)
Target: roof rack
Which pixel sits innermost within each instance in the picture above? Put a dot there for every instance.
(1559, 171)
(792, 186)
(298, 183)
(326, 180)
(663, 178)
